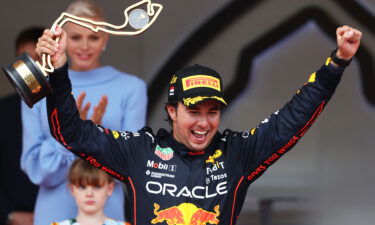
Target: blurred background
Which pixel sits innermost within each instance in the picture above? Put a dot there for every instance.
(265, 50)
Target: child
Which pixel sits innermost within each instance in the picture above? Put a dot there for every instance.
(90, 187)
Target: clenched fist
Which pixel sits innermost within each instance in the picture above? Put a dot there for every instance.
(348, 40)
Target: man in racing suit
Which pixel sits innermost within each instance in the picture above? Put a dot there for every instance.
(193, 174)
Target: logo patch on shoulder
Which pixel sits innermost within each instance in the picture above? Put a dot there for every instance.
(164, 153)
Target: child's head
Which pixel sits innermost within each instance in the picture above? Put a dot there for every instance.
(89, 186)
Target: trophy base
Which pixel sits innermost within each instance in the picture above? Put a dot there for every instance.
(28, 79)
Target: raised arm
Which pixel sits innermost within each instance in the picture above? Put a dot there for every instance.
(43, 159)
(277, 134)
(100, 146)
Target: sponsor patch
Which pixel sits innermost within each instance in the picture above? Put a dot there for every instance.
(195, 100)
(174, 79)
(185, 213)
(125, 135)
(253, 131)
(215, 167)
(312, 78)
(115, 134)
(200, 81)
(100, 128)
(211, 158)
(164, 153)
(214, 177)
(194, 192)
(171, 90)
(161, 166)
(159, 175)
(245, 134)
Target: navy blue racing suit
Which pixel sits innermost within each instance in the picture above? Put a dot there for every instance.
(168, 184)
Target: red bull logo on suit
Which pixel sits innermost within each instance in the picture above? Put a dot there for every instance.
(185, 214)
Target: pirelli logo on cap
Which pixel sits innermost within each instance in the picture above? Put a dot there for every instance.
(200, 81)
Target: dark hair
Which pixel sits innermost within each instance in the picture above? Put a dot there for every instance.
(81, 173)
(27, 35)
(174, 104)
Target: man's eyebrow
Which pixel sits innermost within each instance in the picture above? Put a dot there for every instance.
(217, 107)
(194, 107)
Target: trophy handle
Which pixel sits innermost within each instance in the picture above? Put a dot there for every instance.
(106, 27)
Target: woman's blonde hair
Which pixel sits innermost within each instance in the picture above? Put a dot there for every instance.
(81, 173)
(86, 8)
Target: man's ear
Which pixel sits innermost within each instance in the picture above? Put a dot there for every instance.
(172, 111)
